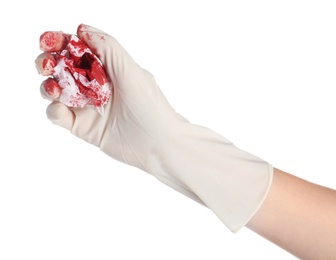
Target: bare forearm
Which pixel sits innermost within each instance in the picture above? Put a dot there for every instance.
(298, 216)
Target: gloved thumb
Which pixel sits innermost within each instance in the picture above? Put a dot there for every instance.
(115, 58)
(61, 115)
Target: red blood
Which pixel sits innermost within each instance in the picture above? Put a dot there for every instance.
(97, 72)
(82, 61)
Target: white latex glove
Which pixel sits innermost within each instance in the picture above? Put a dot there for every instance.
(141, 129)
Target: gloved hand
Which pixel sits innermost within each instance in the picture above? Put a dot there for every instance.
(141, 129)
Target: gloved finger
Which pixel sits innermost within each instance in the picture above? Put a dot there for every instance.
(45, 63)
(118, 63)
(84, 122)
(50, 89)
(61, 115)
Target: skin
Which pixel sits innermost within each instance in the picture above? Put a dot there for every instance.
(298, 216)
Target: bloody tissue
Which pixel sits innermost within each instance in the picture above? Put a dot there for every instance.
(73, 66)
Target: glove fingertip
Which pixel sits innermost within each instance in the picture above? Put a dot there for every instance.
(86, 33)
(82, 28)
(61, 115)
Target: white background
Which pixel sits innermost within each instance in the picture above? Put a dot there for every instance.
(261, 73)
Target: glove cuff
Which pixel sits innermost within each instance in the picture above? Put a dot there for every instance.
(208, 168)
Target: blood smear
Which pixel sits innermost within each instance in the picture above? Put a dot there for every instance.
(52, 88)
(45, 64)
